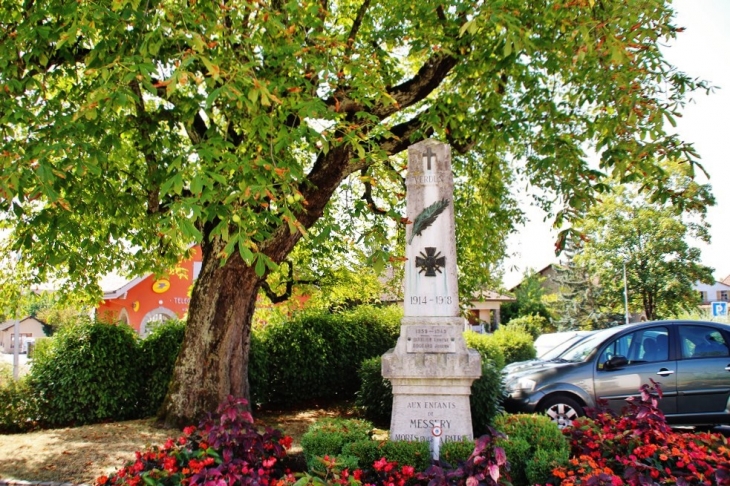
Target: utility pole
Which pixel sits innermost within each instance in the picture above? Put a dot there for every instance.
(626, 295)
(16, 350)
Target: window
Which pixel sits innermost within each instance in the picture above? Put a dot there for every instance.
(702, 342)
(723, 295)
(642, 346)
(703, 296)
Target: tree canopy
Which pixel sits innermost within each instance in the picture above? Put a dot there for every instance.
(131, 130)
(654, 241)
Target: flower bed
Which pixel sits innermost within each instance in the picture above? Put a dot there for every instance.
(639, 448)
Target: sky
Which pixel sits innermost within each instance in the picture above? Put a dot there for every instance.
(702, 51)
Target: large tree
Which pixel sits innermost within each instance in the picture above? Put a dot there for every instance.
(132, 129)
(653, 239)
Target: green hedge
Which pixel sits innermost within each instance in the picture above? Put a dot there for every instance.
(487, 346)
(158, 352)
(375, 397)
(534, 447)
(534, 325)
(317, 355)
(89, 373)
(19, 411)
(487, 395)
(516, 344)
(328, 436)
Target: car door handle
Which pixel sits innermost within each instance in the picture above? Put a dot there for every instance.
(666, 372)
(727, 368)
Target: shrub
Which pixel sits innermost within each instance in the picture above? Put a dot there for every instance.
(88, 373)
(316, 355)
(225, 449)
(534, 445)
(158, 352)
(19, 411)
(455, 452)
(6, 373)
(367, 451)
(534, 324)
(486, 346)
(486, 466)
(639, 448)
(328, 436)
(412, 453)
(375, 397)
(487, 393)
(516, 344)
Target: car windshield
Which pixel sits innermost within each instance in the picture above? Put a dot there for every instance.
(580, 351)
(560, 348)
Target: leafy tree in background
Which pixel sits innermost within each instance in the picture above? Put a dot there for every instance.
(651, 238)
(580, 305)
(131, 130)
(530, 299)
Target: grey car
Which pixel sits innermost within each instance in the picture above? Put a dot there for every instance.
(690, 360)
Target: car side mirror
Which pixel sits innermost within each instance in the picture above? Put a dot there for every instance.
(616, 362)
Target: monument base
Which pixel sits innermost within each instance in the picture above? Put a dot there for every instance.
(431, 390)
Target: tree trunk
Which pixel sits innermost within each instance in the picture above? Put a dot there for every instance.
(213, 360)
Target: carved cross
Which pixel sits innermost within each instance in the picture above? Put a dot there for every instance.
(431, 262)
(428, 156)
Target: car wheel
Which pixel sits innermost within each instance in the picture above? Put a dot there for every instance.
(562, 410)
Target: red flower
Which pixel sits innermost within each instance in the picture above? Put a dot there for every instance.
(357, 474)
(286, 442)
(102, 480)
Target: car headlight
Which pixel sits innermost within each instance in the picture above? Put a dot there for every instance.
(521, 384)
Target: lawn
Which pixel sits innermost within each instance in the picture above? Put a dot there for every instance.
(81, 454)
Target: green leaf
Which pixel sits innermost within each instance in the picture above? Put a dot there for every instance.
(260, 265)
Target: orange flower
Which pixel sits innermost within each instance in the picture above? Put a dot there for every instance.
(102, 480)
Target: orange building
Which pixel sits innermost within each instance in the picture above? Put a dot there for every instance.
(149, 299)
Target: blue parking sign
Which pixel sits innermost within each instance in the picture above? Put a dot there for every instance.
(719, 309)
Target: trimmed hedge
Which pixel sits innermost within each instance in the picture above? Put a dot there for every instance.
(534, 447)
(375, 397)
(89, 373)
(516, 344)
(19, 411)
(534, 324)
(487, 394)
(317, 355)
(328, 436)
(487, 346)
(158, 352)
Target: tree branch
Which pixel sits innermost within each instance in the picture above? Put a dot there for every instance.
(290, 281)
(402, 134)
(356, 26)
(428, 78)
(368, 194)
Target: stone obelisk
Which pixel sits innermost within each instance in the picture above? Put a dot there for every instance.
(431, 369)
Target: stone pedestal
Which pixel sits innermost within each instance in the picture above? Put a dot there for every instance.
(430, 369)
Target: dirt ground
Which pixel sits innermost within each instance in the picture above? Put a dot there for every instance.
(81, 454)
